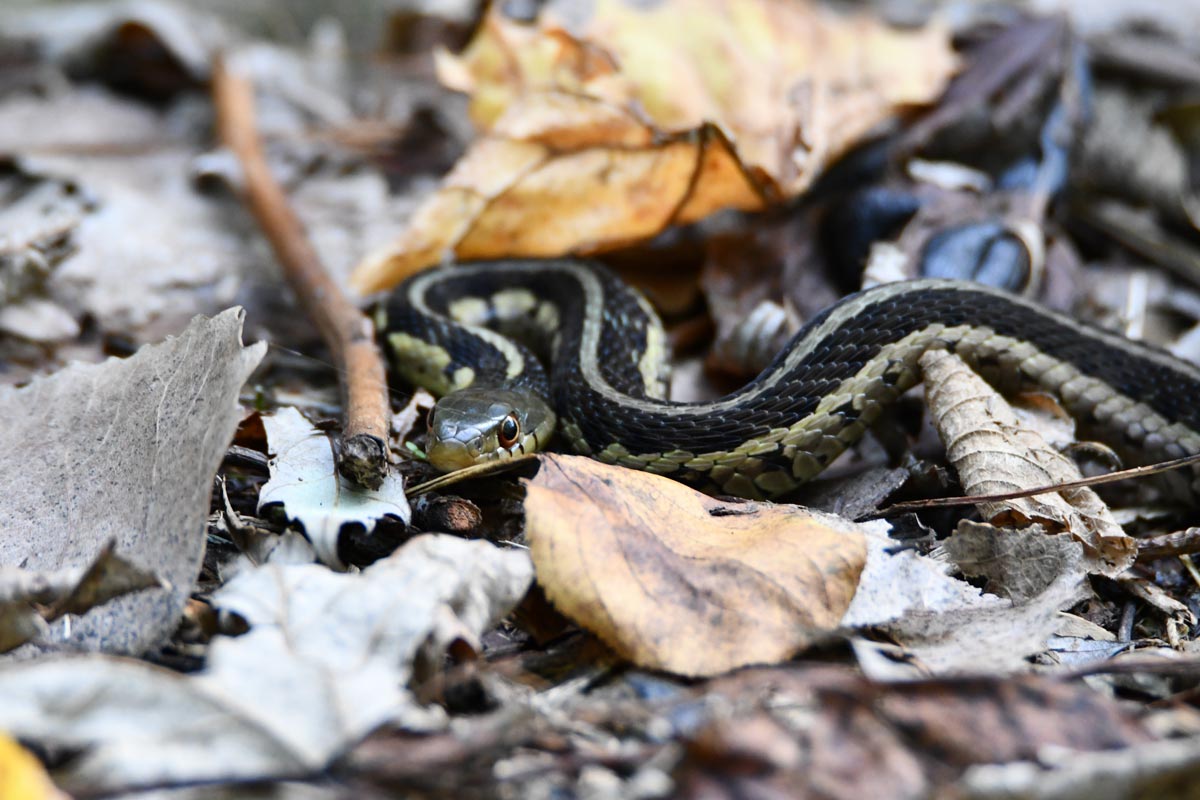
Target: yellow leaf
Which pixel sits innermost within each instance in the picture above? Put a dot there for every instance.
(601, 129)
(22, 776)
(675, 580)
(521, 198)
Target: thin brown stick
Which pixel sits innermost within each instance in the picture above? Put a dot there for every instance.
(1112, 477)
(1178, 543)
(347, 332)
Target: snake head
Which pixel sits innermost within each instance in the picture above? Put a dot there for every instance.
(477, 425)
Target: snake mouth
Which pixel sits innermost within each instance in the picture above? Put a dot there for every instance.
(448, 455)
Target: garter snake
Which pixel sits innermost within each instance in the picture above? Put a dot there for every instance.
(449, 330)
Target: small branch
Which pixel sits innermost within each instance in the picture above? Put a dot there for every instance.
(1179, 543)
(1111, 477)
(347, 332)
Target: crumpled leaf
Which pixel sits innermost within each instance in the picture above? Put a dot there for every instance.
(993, 639)
(510, 197)
(326, 661)
(606, 123)
(123, 451)
(1017, 564)
(28, 598)
(993, 454)
(675, 580)
(306, 482)
(947, 626)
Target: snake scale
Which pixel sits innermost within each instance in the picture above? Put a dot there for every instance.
(478, 334)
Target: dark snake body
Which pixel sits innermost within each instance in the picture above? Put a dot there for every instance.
(608, 356)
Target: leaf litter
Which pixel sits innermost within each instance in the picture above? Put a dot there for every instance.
(906, 649)
(325, 661)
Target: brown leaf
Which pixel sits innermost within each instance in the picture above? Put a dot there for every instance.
(603, 125)
(520, 198)
(994, 454)
(824, 732)
(673, 579)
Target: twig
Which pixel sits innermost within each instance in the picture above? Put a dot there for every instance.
(1179, 543)
(1112, 477)
(347, 332)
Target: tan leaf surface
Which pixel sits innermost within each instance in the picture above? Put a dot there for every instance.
(993, 454)
(607, 123)
(673, 579)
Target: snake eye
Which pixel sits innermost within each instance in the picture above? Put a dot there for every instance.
(509, 430)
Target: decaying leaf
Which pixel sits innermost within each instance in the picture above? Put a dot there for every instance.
(602, 126)
(28, 599)
(1017, 564)
(993, 454)
(945, 626)
(675, 580)
(326, 660)
(305, 481)
(125, 452)
(992, 639)
(818, 731)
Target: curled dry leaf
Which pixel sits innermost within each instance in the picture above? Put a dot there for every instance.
(994, 454)
(306, 482)
(673, 579)
(606, 123)
(125, 452)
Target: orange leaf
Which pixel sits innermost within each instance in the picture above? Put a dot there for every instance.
(607, 122)
(675, 580)
(520, 198)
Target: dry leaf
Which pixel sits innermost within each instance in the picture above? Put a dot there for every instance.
(510, 197)
(124, 451)
(992, 639)
(994, 454)
(673, 579)
(326, 660)
(805, 731)
(28, 598)
(607, 123)
(1162, 769)
(1017, 564)
(306, 482)
(947, 626)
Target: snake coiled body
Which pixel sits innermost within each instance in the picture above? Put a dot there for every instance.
(607, 372)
